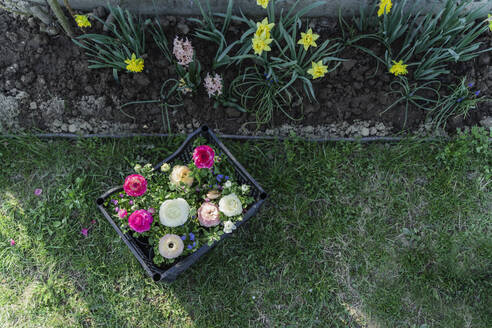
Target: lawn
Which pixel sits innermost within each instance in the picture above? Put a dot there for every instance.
(353, 235)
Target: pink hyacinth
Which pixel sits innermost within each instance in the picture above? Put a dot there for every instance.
(213, 85)
(183, 50)
(122, 213)
(140, 220)
(203, 156)
(208, 215)
(135, 185)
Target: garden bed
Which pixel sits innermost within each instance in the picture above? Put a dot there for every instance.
(45, 84)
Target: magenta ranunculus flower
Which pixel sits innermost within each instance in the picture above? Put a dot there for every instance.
(208, 215)
(203, 157)
(140, 220)
(135, 185)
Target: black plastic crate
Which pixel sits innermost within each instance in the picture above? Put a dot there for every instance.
(139, 246)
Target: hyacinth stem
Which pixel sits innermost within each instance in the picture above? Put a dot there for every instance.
(62, 19)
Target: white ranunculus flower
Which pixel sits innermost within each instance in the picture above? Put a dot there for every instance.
(229, 226)
(174, 212)
(230, 205)
(228, 184)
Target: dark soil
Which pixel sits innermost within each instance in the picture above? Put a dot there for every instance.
(47, 67)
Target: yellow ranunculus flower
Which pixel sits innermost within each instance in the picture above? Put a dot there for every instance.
(307, 39)
(261, 43)
(82, 21)
(318, 69)
(181, 173)
(264, 27)
(384, 7)
(134, 64)
(490, 21)
(263, 3)
(398, 68)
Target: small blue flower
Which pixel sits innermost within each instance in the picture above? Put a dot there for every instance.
(192, 236)
(477, 93)
(194, 243)
(460, 100)
(121, 195)
(227, 177)
(220, 177)
(471, 84)
(190, 247)
(114, 201)
(183, 237)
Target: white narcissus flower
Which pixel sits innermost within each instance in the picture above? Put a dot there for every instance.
(228, 184)
(174, 212)
(229, 226)
(230, 205)
(244, 188)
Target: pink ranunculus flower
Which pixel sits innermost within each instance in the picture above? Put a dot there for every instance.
(140, 220)
(203, 157)
(135, 185)
(208, 215)
(122, 213)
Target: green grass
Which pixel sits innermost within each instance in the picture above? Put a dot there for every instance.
(352, 236)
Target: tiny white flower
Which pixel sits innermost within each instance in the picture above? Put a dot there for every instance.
(165, 167)
(228, 184)
(230, 205)
(229, 226)
(245, 188)
(134, 207)
(137, 167)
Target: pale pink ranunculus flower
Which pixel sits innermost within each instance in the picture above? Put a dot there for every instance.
(208, 215)
(213, 85)
(183, 50)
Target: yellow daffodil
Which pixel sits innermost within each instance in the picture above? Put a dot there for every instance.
(490, 22)
(263, 3)
(264, 27)
(82, 21)
(398, 68)
(307, 39)
(134, 64)
(318, 69)
(261, 43)
(384, 7)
